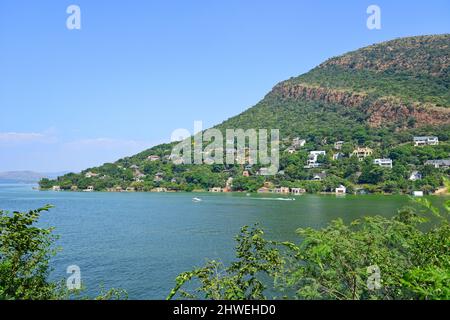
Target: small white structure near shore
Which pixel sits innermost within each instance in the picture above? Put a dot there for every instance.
(418, 193)
(341, 190)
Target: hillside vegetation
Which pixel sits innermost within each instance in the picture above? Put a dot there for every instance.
(378, 97)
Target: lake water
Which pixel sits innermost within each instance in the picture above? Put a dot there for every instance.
(141, 241)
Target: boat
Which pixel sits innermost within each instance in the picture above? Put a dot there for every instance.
(195, 199)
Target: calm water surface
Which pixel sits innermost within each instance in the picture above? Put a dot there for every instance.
(141, 241)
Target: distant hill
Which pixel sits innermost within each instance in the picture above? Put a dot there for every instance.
(379, 97)
(27, 176)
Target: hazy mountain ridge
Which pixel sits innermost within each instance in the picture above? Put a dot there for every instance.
(27, 176)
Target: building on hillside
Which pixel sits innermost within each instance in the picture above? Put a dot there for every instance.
(313, 157)
(338, 156)
(319, 176)
(418, 193)
(362, 153)
(90, 174)
(385, 163)
(298, 143)
(415, 175)
(425, 141)
(153, 158)
(245, 173)
(338, 145)
(438, 164)
(291, 150)
(159, 176)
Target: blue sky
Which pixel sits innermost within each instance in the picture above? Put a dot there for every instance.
(137, 70)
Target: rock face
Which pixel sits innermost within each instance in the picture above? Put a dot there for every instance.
(422, 54)
(380, 111)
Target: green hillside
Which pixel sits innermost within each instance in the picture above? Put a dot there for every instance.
(378, 97)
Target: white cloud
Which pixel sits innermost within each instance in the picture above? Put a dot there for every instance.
(27, 137)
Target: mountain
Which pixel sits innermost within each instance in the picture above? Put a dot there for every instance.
(26, 176)
(380, 97)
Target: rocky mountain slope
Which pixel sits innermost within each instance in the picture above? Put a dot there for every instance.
(379, 97)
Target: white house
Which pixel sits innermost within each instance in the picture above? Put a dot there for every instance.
(415, 175)
(153, 158)
(338, 145)
(338, 155)
(418, 193)
(438, 163)
(425, 141)
(341, 190)
(91, 174)
(312, 159)
(56, 188)
(385, 163)
(291, 150)
(298, 143)
(319, 176)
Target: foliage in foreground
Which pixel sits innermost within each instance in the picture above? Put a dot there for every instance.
(25, 252)
(410, 250)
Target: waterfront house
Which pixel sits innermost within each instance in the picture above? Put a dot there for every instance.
(425, 141)
(89, 189)
(385, 163)
(297, 191)
(216, 189)
(56, 188)
(283, 190)
(263, 190)
(341, 190)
